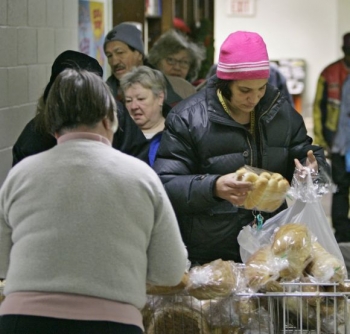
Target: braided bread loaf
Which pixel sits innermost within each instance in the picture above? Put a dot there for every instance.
(268, 191)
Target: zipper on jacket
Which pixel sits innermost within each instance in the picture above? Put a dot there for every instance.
(265, 112)
(251, 148)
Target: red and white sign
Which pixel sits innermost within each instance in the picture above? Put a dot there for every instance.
(241, 7)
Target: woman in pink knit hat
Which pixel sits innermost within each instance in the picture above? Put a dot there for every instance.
(238, 119)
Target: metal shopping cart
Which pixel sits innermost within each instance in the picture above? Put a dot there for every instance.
(295, 309)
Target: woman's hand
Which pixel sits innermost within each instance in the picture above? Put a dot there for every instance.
(311, 162)
(229, 188)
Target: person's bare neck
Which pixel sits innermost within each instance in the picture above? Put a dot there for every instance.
(98, 129)
(157, 127)
(238, 115)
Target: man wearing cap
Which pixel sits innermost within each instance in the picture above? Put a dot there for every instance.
(331, 112)
(124, 50)
(34, 139)
(238, 119)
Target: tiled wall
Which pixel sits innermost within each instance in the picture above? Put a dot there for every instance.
(32, 34)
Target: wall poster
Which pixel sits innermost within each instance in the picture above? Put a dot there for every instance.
(92, 29)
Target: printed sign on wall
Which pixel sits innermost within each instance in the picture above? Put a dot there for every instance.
(241, 7)
(92, 29)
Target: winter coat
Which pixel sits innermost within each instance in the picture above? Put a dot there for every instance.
(201, 142)
(129, 139)
(326, 108)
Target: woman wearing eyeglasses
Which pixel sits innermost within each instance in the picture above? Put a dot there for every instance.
(176, 56)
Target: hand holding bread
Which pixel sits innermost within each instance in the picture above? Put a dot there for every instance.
(268, 189)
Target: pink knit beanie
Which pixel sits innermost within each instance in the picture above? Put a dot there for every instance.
(243, 56)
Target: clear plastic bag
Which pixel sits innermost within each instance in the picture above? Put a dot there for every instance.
(307, 188)
(269, 189)
(215, 279)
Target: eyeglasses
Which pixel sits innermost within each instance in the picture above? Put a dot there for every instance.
(182, 63)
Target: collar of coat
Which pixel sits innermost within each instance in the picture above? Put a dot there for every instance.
(267, 107)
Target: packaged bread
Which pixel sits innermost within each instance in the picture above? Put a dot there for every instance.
(221, 313)
(335, 315)
(260, 268)
(176, 319)
(246, 307)
(273, 286)
(299, 311)
(268, 189)
(274, 194)
(292, 242)
(340, 287)
(166, 290)
(314, 288)
(215, 279)
(325, 267)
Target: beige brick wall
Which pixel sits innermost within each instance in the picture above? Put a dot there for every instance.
(32, 34)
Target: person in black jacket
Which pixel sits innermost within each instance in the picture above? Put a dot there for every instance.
(238, 119)
(34, 139)
(144, 93)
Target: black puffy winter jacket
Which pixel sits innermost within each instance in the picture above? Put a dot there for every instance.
(201, 142)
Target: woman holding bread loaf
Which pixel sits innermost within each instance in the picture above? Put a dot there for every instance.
(237, 120)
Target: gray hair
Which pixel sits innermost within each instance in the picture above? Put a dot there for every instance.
(78, 97)
(147, 77)
(172, 42)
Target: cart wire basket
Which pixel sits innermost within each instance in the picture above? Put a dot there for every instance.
(295, 309)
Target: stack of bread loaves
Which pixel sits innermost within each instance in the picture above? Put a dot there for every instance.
(269, 189)
(293, 254)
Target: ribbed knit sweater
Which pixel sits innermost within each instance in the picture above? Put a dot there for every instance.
(84, 218)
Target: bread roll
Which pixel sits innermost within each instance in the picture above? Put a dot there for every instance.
(240, 173)
(282, 188)
(292, 242)
(259, 268)
(250, 177)
(166, 290)
(255, 195)
(246, 308)
(325, 267)
(265, 175)
(268, 189)
(315, 289)
(276, 176)
(215, 279)
(269, 195)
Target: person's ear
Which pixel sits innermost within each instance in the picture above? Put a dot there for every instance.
(139, 58)
(106, 123)
(110, 125)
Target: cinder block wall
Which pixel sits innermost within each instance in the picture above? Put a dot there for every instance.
(32, 34)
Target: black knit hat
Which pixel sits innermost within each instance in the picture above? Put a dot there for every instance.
(128, 34)
(72, 59)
